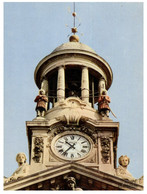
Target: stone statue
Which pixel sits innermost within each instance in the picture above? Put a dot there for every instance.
(41, 100)
(71, 184)
(122, 171)
(103, 104)
(22, 170)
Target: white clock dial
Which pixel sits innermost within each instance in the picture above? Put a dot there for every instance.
(72, 146)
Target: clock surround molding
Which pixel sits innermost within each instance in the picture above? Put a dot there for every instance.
(54, 152)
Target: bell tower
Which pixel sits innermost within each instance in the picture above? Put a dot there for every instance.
(72, 122)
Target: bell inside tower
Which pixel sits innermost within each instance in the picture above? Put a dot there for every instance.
(72, 82)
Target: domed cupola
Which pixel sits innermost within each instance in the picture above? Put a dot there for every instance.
(73, 69)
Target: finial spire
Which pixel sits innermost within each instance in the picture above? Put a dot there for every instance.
(74, 14)
(74, 38)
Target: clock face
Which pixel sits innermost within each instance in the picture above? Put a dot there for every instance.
(72, 146)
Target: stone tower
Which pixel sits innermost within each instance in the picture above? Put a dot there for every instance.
(73, 76)
(72, 137)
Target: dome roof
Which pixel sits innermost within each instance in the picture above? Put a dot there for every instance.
(82, 54)
(74, 46)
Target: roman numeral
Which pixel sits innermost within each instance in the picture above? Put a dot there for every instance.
(72, 137)
(79, 138)
(59, 146)
(65, 138)
(72, 156)
(65, 153)
(79, 154)
(83, 142)
(61, 150)
(85, 146)
(83, 151)
(60, 141)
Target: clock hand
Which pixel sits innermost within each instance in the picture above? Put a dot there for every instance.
(66, 150)
(71, 146)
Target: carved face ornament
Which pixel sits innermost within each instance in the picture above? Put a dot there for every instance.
(21, 159)
(124, 161)
(71, 185)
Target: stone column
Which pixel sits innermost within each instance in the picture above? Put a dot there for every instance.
(44, 86)
(61, 84)
(85, 84)
(101, 86)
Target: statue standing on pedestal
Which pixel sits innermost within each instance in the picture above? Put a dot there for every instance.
(41, 100)
(103, 104)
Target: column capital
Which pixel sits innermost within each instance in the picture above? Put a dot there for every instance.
(61, 66)
(83, 66)
(102, 78)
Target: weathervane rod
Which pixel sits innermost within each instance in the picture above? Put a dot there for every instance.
(74, 6)
(74, 38)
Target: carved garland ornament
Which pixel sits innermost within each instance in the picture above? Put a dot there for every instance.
(38, 149)
(105, 151)
(83, 129)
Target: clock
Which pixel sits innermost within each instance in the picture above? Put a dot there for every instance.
(71, 146)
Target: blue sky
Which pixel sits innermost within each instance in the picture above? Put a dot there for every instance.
(113, 30)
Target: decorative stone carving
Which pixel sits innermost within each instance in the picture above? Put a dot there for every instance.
(38, 149)
(122, 171)
(22, 170)
(72, 116)
(56, 188)
(41, 106)
(140, 181)
(105, 149)
(89, 132)
(71, 184)
(83, 129)
(72, 112)
(40, 185)
(72, 102)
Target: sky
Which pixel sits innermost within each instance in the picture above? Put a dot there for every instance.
(114, 30)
